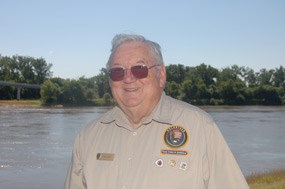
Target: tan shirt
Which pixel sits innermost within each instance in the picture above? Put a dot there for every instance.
(178, 147)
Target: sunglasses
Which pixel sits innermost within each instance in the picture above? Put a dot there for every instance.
(138, 71)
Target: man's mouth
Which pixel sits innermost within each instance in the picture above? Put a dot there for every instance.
(131, 89)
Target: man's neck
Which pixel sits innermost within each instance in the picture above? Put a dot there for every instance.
(137, 115)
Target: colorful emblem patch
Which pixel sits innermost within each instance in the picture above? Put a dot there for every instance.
(175, 136)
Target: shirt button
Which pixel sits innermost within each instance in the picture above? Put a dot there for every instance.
(135, 133)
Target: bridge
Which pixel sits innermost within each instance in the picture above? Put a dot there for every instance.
(19, 86)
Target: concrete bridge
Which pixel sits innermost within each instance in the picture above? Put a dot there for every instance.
(19, 86)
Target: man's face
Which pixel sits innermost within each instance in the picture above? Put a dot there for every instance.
(132, 92)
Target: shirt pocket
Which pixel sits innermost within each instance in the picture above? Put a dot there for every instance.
(100, 172)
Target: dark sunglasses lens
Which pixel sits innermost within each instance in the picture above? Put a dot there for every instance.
(139, 71)
(117, 74)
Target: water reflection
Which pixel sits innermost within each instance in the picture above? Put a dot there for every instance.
(36, 143)
(255, 135)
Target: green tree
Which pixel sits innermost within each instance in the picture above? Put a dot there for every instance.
(232, 91)
(175, 73)
(267, 95)
(73, 93)
(41, 70)
(23, 69)
(279, 77)
(89, 87)
(59, 81)
(203, 92)
(229, 91)
(265, 77)
(250, 77)
(172, 89)
(230, 73)
(26, 72)
(107, 99)
(49, 92)
(214, 91)
(189, 91)
(206, 73)
(9, 70)
(102, 82)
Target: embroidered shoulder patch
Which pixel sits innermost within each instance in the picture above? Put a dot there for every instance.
(175, 136)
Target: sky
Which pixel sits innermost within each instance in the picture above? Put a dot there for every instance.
(75, 36)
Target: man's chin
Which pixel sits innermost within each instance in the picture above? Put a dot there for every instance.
(131, 103)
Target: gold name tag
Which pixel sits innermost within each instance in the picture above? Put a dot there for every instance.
(105, 156)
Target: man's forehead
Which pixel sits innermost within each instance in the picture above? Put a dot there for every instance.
(133, 53)
(133, 46)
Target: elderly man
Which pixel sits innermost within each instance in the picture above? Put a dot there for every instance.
(150, 140)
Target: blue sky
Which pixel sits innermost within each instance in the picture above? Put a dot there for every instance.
(75, 36)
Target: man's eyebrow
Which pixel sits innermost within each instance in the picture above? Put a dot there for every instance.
(142, 62)
(116, 65)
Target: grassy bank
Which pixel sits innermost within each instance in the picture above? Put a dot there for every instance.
(269, 180)
(97, 102)
(20, 102)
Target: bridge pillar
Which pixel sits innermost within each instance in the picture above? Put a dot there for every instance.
(18, 93)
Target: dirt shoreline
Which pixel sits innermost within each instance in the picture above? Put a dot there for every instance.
(20, 103)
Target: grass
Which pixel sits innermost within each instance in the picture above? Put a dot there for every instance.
(21, 102)
(269, 180)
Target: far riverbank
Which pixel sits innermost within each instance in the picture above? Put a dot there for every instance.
(20, 103)
(39, 103)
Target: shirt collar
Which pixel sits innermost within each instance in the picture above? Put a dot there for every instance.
(160, 114)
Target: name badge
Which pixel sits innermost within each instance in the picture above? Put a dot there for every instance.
(105, 156)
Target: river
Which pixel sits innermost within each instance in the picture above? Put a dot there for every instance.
(36, 143)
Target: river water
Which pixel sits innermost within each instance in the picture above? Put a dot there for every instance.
(36, 143)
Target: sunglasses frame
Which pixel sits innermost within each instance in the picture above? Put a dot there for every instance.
(124, 70)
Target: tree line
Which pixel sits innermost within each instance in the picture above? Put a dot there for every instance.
(200, 85)
(23, 69)
(234, 85)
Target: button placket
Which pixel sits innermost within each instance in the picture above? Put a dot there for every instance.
(128, 172)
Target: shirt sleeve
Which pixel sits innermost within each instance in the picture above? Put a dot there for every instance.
(223, 170)
(75, 178)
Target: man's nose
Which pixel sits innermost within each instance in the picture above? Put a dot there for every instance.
(129, 77)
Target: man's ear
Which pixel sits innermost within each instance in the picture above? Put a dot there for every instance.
(162, 79)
